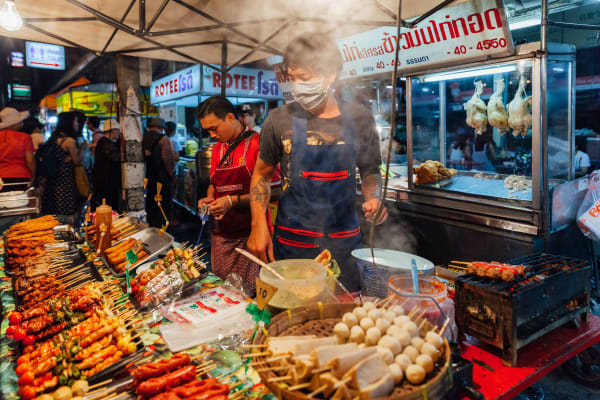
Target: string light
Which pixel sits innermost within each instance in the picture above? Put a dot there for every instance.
(9, 16)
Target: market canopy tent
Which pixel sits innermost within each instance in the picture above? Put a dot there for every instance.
(196, 30)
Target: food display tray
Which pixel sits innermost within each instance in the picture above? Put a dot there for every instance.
(154, 243)
(111, 370)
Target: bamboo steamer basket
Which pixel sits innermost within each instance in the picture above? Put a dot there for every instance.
(319, 320)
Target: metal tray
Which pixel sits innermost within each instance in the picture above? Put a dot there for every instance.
(112, 369)
(153, 243)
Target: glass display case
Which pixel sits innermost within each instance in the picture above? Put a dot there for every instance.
(482, 124)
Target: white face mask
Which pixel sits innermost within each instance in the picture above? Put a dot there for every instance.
(309, 94)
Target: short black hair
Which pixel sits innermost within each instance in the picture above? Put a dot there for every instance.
(581, 143)
(94, 122)
(170, 127)
(217, 105)
(314, 50)
(30, 123)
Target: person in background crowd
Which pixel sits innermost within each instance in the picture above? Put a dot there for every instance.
(482, 152)
(160, 167)
(17, 165)
(93, 126)
(33, 127)
(106, 175)
(581, 159)
(170, 131)
(228, 199)
(193, 143)
(319, 142)
(457, 152)
(60, 193)
(247, 116)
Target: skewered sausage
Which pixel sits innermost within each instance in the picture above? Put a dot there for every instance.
(153, 370)
(154, 386)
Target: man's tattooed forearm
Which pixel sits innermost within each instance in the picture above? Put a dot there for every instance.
(371, 186)
(261, 192)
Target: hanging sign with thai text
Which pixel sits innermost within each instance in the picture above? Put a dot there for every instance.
(242, 82)
(454, 35)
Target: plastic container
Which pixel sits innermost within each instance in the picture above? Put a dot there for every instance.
(305, 283)
(431, 290)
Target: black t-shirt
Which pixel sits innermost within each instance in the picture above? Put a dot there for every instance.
(276, 137)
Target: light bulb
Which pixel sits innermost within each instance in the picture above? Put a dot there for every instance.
(9, 16)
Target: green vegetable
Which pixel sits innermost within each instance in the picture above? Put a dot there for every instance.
(58, 369)
(75, 349)
(70, 382)
(59, 358)
(62, 380)
(183, 275)
(75, 372)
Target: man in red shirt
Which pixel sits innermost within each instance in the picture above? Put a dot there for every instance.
(17, 165)
(227, 198)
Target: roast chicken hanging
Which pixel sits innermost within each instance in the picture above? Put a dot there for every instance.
(496, 112)
(519, 110)
(476, 110)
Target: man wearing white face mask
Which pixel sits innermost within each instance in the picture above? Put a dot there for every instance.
(319, 142)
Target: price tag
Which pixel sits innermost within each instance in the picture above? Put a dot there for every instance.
(264, 293)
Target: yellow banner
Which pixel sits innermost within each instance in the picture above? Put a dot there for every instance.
(100, 104)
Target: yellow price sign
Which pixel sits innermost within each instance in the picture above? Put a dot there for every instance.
(264, 293)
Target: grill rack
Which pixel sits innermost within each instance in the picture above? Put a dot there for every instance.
(509, 315)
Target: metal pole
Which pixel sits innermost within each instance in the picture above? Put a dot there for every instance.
(544, 124)
(224, 68)
(142, 16)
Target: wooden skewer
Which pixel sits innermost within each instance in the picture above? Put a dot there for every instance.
(421, 324)
(250, 355)
(234, 384)
(444, 326)
(205, 363)
(316, 392)
(112, 396)
(199, 356)
(102, 392)
(206, 370)
(280, 378)
(95, 385)
(275, 368)
(378, 302)
(323, 369)
(237, 395)
(299, 386)
(461, 262)
(418, 317)
(414, 310)
(222, 378)
(254, 345)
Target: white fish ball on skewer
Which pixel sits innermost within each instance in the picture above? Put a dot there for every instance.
(357, 335)
(369, 305)
(383, 325)
(401, 320)
(389, 315)
(360, 313)
(350, 319)
(417, 342)
(385, 354)
(396, 372)
(411, 352)
(374, 314)
(391, 343)
(411, 328)
(415, 374)
(403, 361)
(372, 336)
(342, 331)
(366, 323)
(403, 337)
(435, 339)
(397, 309)
(425, 361)
(431, 351)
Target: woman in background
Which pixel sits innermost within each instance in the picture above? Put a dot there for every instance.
(33, 128)
(106, 176)
(60, 192)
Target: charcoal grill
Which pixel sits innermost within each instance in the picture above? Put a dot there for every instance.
(509, 315)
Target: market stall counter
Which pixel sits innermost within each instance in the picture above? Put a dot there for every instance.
(207, 341)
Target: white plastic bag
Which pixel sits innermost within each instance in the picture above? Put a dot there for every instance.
(588, 215)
